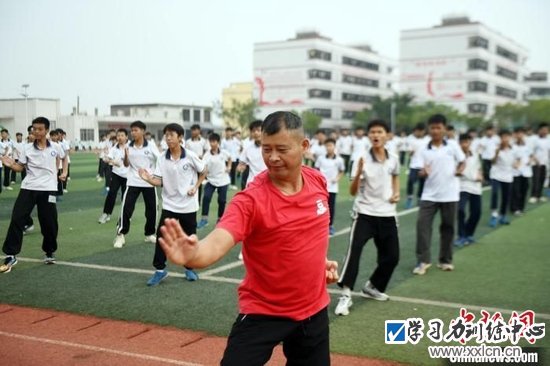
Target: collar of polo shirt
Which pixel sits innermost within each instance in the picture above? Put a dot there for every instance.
(145, 143)
(371, 152)
(35, 144)
(168, 155)
(430, 144)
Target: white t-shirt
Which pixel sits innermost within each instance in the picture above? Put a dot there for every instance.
(343, 145)
(359, 147)
(178, 177)
(375, 186)
(252, 156)
(488, 146)
(415, 145)
(541, 150)
(144, 157)
(392, 146)
(216, 165)
(116, 154)
(3, 151)
(232, 146)
(17, 149)
(199, 146)
(503, 168)
(317, 150)
(524, 169)
(330, 168)
(469, 179)
(441, 185)
(41, 166)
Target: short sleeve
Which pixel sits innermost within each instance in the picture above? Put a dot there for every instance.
(244, 157)
(354, 171)
(318, 162)
(421, 159)
(341, 165)
(396, 168)
(239, 216)
(459, 154)
(198, 163)
(60, 151)
(23, 156)
(158, 169)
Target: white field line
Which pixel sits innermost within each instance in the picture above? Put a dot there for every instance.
(209, 277)
(98, 349)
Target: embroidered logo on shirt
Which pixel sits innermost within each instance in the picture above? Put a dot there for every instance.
(321, 208)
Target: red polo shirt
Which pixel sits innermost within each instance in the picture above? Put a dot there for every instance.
(285, 242)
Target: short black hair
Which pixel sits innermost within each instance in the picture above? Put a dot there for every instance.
(464, 137)
(138, 124)
(519, 129)
(42, 121)
(60, 131)
(229, 129)
(4, 130)
(276, 121)
(174, 127)
(320, 131)
(359, 128)
(54, 132)
(18, 134)
(29, 129)
(378, 123)
(489, 127)
(450, 128)
(330, 141)
(112, 130)
(504, 132)
(419, 127)
(123, 130)
(255, 124)
(437, 118)
(542, 125)
(195, 127)
(214, 137)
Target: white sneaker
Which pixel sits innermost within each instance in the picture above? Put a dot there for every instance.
(372, 292)
(543, 199)
(344, 303)
(99, 179)
(28, 229)
(9, 188)
(151, 238)
(119, 241)
(446, 267)
(533, 200)
(233, 187)
(421, 268)
(65, 191)
(104, 218)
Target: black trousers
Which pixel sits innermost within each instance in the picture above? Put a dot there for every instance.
(346, 162)
(424, 223)
(331, 206)
(129, 204)
(539, 175)
(253, 337)
(244, 177)
(505, 189)
(59, 183)
(384, 232)
(520, 186)
(108, 172)
(117, 182)
(486, 168)
(411, 181)
(233, 172)
(209, 193)
(188, 222)
(7, 176)
(47, 216)
(68, 175)
(467, 227)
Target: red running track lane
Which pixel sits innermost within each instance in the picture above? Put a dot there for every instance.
(30, 336)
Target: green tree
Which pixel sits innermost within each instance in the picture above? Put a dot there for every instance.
(311, 122)
(239, 114)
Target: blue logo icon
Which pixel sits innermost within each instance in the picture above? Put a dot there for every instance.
(396, 332)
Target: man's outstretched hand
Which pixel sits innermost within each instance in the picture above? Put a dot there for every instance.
(178, 246)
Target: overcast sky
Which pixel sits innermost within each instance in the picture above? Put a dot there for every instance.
(176, 51)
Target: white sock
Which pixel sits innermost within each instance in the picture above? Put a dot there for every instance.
(346, 292)
(495, 214)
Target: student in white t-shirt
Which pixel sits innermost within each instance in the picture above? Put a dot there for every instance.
(139, 154)
(359, 144)
(18, 145)
(522, 172)
(442, 163)
(470, 193)
(343, 147)
(119, 174)
(332, 167)
(416, 142)
(487, 146)
(180, 172)
(41, 159)
(8, 147)
(232, 145)
(505, 160)
(251, 156)
(375, 184)
(218, 166)
(541, 155)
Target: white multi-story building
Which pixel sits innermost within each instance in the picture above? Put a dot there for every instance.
(17, 114)
(464, 64)
(311, 72)
(539, 85)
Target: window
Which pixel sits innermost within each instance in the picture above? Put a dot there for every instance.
(478, 41)
(540, 91)
(320, 93)
(478, 64)
(359, 98)
(360, 81)
(358, 63)
(196, 115)
(349, 114)
(320, 55)
(507, 54)
(507, 73)
(478, 108)
(322, 112)
(207, 115)
(505, 92)
(86, 134)
(319, 74)
(477, 86)
(186, 113)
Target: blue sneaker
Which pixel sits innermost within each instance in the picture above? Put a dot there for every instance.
(202, 223)
(493, 222)
(409, 203)
(157, 277)
(191, 275)
(331, 231)
(504, 220)
(460, 242)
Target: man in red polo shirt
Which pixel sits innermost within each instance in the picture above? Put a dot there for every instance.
(282, 218)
